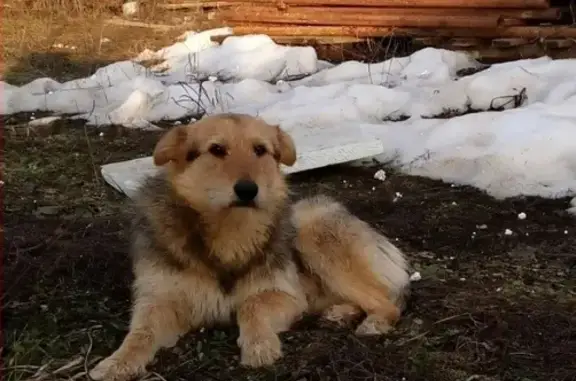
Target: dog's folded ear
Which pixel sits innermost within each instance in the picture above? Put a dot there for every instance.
(169, 147)
(286, 149)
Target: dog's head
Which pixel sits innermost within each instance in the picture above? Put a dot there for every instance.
(227, 161)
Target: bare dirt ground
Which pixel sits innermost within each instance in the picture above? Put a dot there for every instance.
(490, 306)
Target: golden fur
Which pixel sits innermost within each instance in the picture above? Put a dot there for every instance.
(204, 252)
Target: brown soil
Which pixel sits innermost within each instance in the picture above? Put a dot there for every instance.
(489, 306)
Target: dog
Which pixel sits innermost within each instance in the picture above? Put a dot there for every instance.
(216, 239)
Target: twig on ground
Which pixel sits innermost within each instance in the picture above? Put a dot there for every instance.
(516, 100)
(156, 377)
(41, 369)
(88, 351)
(414, 338)
(140, 24)
(449, 318)
(42, 375)
(92, 160)
(60, 232)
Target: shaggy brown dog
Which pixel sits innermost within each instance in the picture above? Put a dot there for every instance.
(216, 238)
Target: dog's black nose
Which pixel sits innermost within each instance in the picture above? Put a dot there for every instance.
(246, 190)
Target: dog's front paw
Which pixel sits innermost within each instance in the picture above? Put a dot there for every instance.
(260, 352)
(373, 325)
(116, 369)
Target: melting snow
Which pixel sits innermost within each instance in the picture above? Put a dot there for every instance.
(345, 112)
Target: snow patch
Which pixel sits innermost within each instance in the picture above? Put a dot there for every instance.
(521, 140)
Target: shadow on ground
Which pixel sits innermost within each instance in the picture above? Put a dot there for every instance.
(60, 66)
(490, 306)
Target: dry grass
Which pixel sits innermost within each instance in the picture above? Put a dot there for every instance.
(66, 39)
(64, 6)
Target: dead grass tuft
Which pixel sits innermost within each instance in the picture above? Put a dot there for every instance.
(67, 7)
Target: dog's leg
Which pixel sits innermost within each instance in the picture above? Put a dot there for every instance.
(342, 314)
(362, 289)
(261, 317)
(155, 323)
(382, 313)
(346, 274)
(354, 262)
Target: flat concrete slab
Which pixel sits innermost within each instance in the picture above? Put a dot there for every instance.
(315, 152)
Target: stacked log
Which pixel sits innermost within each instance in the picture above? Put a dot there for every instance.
(489, 27)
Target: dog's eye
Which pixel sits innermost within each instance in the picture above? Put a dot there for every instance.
(217, 150)
(260, 150)
(192, 155)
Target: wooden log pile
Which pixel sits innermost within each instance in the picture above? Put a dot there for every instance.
(491, 28)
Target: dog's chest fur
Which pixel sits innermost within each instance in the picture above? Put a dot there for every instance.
(172, 235)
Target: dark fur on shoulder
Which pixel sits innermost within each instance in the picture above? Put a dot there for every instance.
(157, 203)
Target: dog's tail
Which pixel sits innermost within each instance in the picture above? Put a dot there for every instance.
(393, 267)
(351, 259)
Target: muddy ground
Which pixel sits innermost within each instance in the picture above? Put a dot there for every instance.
(490, 306)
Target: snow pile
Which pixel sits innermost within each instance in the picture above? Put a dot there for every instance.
(525, 151)
(527, 147)
(572, 208)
